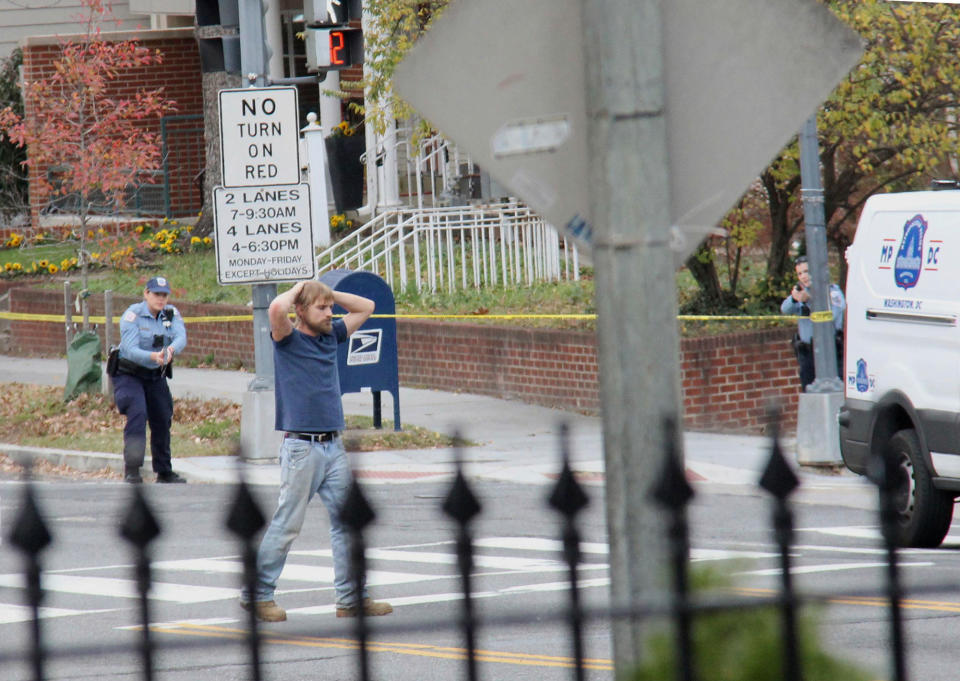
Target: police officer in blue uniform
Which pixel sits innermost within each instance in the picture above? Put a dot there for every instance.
(797, 303)
(151, 333)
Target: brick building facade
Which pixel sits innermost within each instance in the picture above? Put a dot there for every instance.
(179, 76)
(727, 381)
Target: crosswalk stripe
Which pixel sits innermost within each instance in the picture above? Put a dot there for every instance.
(457, 596)
(231, 566)
(541, 544)
(296, 572)
(311, 570)
(123, 588)
(10, 614)
(537, 544)
(437, 558)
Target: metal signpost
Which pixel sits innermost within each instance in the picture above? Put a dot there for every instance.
(633, 125)
(260, 143)
(264, 228)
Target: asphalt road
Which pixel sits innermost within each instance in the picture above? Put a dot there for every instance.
(199, 626)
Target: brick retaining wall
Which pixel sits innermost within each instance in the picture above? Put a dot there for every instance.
(229, 343)
(726, 381)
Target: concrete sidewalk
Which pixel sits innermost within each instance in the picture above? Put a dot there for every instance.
(518, 442)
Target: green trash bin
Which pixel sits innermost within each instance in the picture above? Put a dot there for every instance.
(83, 365)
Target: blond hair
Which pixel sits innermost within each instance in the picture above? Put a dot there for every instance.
(310, 292)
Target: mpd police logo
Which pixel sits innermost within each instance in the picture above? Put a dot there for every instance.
(364, 347)
(909, 262)
(863, 380)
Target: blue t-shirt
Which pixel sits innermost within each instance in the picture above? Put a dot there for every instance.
(307, 381)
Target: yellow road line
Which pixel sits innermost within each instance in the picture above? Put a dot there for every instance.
(415, 649)
(868, 601)
(503, 657)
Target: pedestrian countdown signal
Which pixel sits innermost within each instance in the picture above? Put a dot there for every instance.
(334, 49)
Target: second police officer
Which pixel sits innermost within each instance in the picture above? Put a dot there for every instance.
(798, 303)
(151, 333)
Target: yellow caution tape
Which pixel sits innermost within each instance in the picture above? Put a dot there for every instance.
(28, 317)
(822, 316)
(36, 317)
(816, 316)
(484, 316)
(736, 317)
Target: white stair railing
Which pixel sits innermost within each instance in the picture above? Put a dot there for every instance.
(500, 244)
(429, 245)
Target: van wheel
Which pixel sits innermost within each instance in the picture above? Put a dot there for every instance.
(924, 513)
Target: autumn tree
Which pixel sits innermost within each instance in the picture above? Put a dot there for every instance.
(395, 27)
(75, 119)
(890, 125)
(13, 181)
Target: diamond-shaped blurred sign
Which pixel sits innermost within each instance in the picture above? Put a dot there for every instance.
(505, 81)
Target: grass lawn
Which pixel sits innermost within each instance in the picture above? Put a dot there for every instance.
(37, 416)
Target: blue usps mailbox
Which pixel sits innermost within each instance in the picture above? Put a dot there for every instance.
(367, 362)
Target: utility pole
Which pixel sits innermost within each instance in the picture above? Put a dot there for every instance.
(635, 288)
(818, 437)
(815, 233)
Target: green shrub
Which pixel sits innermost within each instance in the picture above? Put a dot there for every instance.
(743, 645)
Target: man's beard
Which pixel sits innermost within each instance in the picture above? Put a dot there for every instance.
(325, 326)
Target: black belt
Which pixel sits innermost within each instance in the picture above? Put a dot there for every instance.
(125, 366)
(314, 437)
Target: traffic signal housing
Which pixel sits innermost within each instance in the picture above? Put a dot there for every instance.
(218, 36)
(332, 44)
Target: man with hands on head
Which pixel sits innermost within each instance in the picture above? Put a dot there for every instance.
(151, 333)
(309, 411)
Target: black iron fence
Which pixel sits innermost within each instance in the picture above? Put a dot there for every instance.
(29, 533)
(173, 191)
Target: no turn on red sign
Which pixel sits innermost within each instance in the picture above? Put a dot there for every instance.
(262, 211)
(259, 136)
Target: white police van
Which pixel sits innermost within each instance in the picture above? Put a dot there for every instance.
(902, 363)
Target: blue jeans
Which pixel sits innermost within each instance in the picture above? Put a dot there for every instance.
(307, 468)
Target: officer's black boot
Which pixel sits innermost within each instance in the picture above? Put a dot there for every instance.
(134, 450)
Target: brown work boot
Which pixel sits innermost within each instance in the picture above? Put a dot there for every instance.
(371, 608)
(266, 611)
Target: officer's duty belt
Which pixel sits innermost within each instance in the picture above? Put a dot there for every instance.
(125, 366)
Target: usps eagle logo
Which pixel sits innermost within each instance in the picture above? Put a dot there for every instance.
(909, 262)
(364, 347)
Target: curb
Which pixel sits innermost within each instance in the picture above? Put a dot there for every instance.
(87, 462)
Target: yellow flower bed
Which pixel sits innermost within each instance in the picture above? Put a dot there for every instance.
(120, 252)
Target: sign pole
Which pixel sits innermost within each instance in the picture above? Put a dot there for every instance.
(635, 290)
(256, 432)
